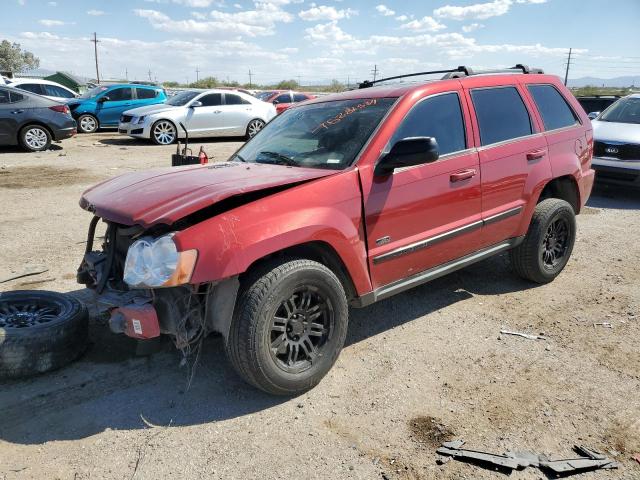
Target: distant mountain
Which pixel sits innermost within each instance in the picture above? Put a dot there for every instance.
(617, 82)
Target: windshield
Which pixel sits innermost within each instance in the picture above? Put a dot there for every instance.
(93, 92)
(263, 95)
(320, 135)
(625, 110)
(181, 98)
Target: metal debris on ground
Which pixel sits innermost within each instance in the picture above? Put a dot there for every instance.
(588, 459)
(524, 335)
(604, 324)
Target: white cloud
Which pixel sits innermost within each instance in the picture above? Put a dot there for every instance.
(327, 32)
(384, 10)
(53, 23)
(425, 24)
(480, 11)
(95, 13)
(22, 3)
(472, 27)
(323, 12)
(402, 18)
(188, 3)
(52, 4)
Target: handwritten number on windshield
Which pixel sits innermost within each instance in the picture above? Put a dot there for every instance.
(345, 113)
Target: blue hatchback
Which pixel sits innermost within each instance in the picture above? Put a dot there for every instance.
(103, 105)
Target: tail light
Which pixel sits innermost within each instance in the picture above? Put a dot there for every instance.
(61, 109)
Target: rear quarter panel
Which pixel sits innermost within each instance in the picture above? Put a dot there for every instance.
(326, 210)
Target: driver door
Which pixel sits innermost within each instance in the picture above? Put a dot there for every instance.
(425, 215)
(119, 100)
(208, 119)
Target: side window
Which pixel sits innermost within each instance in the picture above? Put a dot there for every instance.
(33, 88)
(211, 100)
(439, 117)
(4, 97)
(234, 99)
(299, 97)
(501, 114)
(15, 97)
(284, 98)
(145, 93)
(555, 111)
(119, 94)
(54, 91)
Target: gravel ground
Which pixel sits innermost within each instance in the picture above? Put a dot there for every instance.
(421, 367)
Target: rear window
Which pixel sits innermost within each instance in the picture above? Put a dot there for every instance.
(144, 93)
(31, 87)
(231, 99)
(501, 114)
(555, 111)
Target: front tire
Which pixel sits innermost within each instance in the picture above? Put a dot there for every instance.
(87, 123)
(289, 327)
(254, 127)
(35, 138)
(163, 132)
(548, 244)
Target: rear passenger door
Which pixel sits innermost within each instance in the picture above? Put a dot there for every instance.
(14, 110)
(513, 158)
(236, 114)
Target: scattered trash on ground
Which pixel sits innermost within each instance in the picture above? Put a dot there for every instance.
(604, 324)
(524, 335)
(28, 272)
(588, 459)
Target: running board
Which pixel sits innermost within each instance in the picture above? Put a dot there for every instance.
(404, 284)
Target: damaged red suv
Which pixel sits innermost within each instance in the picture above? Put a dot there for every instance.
(345, 200)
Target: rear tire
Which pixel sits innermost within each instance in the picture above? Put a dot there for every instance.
(254, 127)
(35, 138)
(548, 244)
(289, 326)
(39, 331)
(87, 123)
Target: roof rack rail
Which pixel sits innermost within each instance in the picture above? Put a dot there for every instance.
(459, 72)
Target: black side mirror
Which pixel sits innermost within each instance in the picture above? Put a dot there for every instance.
(407, 153)
(104, 98)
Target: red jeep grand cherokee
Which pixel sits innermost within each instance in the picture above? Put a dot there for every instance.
(345, 200)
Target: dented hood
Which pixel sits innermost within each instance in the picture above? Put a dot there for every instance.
(167, 195)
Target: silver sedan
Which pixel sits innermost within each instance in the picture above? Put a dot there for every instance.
(209, 113)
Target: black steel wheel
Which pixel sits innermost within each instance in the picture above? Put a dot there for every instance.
(39, 331)
(289, 326)
(547, 246)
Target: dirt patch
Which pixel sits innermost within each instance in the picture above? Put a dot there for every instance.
(430, 431)
(43, 177)
(589, 211)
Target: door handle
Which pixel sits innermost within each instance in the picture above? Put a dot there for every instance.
(535, 155)
(15, 112)
(218, 111)
(462, 175)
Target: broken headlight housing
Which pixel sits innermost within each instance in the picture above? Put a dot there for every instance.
(156, 262)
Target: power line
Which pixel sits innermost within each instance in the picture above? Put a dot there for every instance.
(95, 51)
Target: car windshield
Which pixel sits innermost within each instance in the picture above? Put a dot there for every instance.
(625, 110)
(181, 98)
(93, 92)
(320, 135)
(263, 95)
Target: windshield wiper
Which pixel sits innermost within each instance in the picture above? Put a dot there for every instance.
(239, 157)
(281, 158)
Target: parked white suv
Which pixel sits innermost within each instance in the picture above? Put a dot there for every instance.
(204, 113)
(46, 88)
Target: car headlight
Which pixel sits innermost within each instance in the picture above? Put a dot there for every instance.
(156, 262)
(140, 120)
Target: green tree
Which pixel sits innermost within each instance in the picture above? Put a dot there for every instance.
(170, 84)
(336, 86)
(207, 82)
(288, 85)
(14, 59)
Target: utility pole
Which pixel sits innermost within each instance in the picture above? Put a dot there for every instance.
(299, 80)
(197, 74)
(250, 75)
(150, 79)
(375, 72)
(95, 51)
(126, 74)
(566, 73)
(348, 82)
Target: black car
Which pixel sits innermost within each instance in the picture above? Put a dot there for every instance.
(597, 103)
(32, 121)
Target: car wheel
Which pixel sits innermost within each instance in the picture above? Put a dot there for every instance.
(39, 331)
(289, 326)
(547, 246)
(35, 138)
(254, 127)
(163, 132)
(87, 123)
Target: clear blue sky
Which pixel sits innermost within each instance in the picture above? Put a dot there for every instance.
(340, 39)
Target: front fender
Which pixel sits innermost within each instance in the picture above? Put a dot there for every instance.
(325, 210)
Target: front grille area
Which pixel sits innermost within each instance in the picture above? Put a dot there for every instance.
(624, 151)
(125, 118)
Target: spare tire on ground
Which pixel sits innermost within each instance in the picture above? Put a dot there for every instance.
(39, 331)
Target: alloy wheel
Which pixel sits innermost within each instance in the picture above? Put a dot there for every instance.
(254, 127)
(164, 132)
(88, 124)
(27, 314)
(555, 243)
(300, 329)
(36, 138)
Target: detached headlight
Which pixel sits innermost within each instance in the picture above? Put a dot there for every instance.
(156, 262)
(140, 120)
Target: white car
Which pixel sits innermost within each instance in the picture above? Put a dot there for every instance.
(208, 113)
(46, 88)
